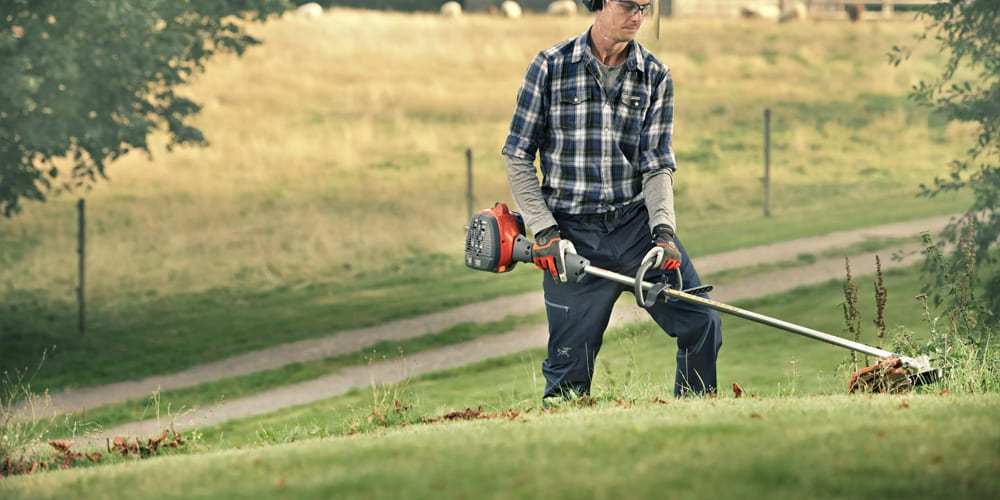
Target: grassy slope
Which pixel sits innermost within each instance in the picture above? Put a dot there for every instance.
(333, 193)
(637, 361)
(794, 364)
(788, 441)
(809, 447)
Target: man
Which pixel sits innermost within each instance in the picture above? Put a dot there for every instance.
(599, 109)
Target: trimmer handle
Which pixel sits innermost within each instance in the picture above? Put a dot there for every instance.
(646, 298)
(575, 265)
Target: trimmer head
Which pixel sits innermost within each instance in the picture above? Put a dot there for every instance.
(894, 376)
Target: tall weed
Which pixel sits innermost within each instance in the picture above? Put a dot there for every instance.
(23, 429)
(27, 423)
(960, 341)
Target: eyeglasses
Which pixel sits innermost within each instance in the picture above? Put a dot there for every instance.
(632, 8)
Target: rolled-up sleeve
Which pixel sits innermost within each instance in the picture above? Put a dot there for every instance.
(527, 126)
(657, 134)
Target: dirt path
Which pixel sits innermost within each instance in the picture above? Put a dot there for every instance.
(461, 354)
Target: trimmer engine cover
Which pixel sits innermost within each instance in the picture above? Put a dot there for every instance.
(495, 240)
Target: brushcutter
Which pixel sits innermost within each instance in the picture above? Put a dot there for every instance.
(495, 242)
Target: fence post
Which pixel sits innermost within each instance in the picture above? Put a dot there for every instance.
(82, 251)
(767, 162)
(468, 193)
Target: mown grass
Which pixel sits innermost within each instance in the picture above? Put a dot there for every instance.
(637, 361)
(206, 394)
(792, 433)
(168, 333)
(333, 194)
(792, 447)
(886, 245)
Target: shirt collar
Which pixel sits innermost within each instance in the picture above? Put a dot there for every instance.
(581, 48)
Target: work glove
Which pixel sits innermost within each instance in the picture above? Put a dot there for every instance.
(549, 253)
(664, 250)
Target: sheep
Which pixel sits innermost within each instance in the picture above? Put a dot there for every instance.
(797, 13)
(309, 10)
(888, 9)
(770, 12)
(564, 8)
(451, 8)
(510, 9)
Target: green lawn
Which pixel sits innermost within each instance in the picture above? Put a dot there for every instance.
(918, 446)
(746, 344)
(792, 434)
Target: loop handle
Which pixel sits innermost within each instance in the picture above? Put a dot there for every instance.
(646, 298)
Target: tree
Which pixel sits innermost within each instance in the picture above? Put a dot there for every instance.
(86, 82)
(968, 90)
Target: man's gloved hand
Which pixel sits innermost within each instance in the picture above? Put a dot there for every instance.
(665, 250)
(549, 253)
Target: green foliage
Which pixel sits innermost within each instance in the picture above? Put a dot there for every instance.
(961, 336)
(968, 90)
(86, 82)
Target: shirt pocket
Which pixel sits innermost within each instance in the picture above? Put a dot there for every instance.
(631, 111)
(571, 108)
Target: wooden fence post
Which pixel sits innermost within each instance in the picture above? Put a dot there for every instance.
(82, 251)
(767, 162)
(469, 196)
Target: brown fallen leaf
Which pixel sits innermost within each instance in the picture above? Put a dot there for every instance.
(61, 446)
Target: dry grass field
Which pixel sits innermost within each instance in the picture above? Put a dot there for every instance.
(338, 148)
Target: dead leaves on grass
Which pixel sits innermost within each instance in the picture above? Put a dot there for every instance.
(64, 457)
(477, 414)
(152, 446)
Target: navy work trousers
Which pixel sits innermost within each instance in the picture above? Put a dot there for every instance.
(578, 313)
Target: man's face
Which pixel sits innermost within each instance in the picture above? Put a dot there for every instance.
(620, 19)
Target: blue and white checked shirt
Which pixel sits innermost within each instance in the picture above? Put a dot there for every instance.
(595, 146)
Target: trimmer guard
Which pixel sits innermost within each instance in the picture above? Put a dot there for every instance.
(894, 376)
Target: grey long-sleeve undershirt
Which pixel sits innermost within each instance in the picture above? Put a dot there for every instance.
(657, 189)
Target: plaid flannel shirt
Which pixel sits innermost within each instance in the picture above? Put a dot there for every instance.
(595, 146)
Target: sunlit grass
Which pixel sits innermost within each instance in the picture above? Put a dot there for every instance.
(811, 447)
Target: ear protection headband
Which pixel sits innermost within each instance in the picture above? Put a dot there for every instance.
(593, 5)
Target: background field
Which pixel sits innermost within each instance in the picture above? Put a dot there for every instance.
(333, 194)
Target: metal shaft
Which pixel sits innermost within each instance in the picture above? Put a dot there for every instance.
(752, 316)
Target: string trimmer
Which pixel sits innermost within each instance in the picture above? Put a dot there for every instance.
(495, 242)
